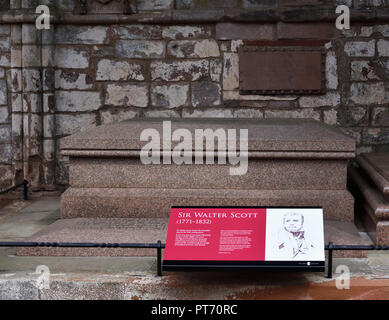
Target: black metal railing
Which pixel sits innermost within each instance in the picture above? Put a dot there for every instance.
(25, 189)
(159, 246)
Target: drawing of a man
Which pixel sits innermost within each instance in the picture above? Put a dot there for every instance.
(293, 240)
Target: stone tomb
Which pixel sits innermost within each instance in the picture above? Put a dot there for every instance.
(290, 163)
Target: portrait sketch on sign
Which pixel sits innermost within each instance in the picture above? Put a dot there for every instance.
(294, 235)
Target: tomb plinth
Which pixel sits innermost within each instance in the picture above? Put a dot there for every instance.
(369, 182)
(291, 162)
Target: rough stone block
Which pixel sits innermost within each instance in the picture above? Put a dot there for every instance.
(383, 48)
(3, 92)
(186, 70)
(243, 31)
(127, 95)
(120, 70)
(75, 101)
(111, 116)
(70, 34)
(363, 71)
(71, 58)
(193, 48)
(360, 48)
(138, 32)
(65, 79)
(170, 96)
(231, 71)
(331, 71)
(327, 100)
(205, 94)
(146, 49)
(155, 5)
(364, 93)
(71, 123)
(186, 32)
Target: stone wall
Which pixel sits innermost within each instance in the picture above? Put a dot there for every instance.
(56, 82)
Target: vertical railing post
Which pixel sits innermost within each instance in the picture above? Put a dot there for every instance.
(330, 249)
(159, 258)
(25, 190)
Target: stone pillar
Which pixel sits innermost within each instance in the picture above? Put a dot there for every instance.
(48, 164)
(15, 87)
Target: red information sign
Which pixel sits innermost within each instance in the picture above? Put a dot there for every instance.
(257, 236)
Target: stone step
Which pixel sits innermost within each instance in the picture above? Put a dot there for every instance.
(144, 230)
(371, 206)
(376, 167)
(152, 202)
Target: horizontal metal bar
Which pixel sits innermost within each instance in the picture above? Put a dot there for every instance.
(82, 245)
(150, 245)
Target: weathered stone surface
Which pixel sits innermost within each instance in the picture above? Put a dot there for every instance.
(32, 80)
(360, 48)
(368, 31)
(215, 69)
(193, 48)
(329, 99)
(5, 60)
(146, 49)
(3, 92)
(231, 71)
(208, 113)
(259, 4)
(119, 70)
(352, 116)
(170, 96)
(205, 94)
(293, 114)
(155, 5)
(5, 44)
(364, 93)
(72, 80)
(186, 32)
(74, 101)
(127, 95)
(112, 115)
(363, 71)
(161, 114)
(248, 113)
(209, 4)
(14, 80)
(383, 48)
(305, 30)
(69, 34)
(138, 32)
(4, 116)
(188, 70)
(71, 58)
(5, 133)
(330, 117)
(375, 136)
(32, 102)
(331, 71)
(380, 116)
(5, 29)
(5, 153)
(229, 31)
(2, 72)
(71, 123)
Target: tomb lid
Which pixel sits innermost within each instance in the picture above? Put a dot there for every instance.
(376, 166)
(264, 135)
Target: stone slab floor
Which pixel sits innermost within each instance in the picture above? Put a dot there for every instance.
(135, 277)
